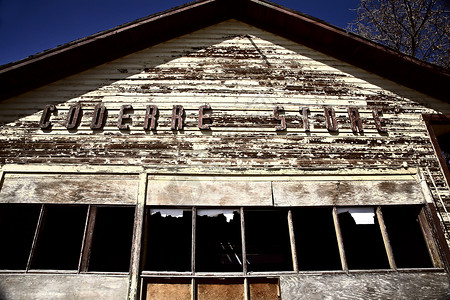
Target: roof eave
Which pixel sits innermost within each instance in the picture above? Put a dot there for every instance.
(81, 55)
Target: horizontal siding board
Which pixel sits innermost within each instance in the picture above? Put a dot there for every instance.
(209, 193)
(67, 188)
(366, 286)
(320, 193)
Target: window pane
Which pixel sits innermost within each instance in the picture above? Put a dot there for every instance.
(363, 242)
(168, 241)
(60, 238)
(17, 227)
(406, 238)
(218, 241)
(267, 241)
(315, 239)
(111, 244)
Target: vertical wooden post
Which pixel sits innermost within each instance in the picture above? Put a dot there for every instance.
(137, 235)
(340, 240)
(36, 236)
(194, 229)
(387, 244)
(86, 246)
(292, 236)
(244, 251)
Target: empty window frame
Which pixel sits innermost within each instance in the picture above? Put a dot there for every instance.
(281, 240)
(218, 241)
(439, 130)
(315, 239)
(267, 240)
(363, 241)
(406, 237)
(167, 240)
(17, 228)
(56, 237)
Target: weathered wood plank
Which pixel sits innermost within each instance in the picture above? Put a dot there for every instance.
(366, 286)
(323, 193)
(69, 188)
(44, 287)
(209, 193)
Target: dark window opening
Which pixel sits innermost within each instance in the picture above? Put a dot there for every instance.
(17, 229)
(315, 239)
(168, 240)
(442, 133)
(112, 238)
(267, 241)
(406, 237)
(218, 241)
(363, 242)
(60, 238)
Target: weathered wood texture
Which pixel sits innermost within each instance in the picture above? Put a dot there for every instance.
(248, 191)
(164, 291)
(66, 287)
(366, 286)
(348, 192)
(69, 188)
(243, 73)
(209, 192)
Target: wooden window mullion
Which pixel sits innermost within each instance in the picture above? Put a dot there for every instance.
(429, 239)
(83, 264)
(340, 240)
(193, 244)
(387, 243)
(292, 239)
(244, 250)
(36, 236)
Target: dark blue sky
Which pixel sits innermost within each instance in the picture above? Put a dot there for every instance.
(31, 26)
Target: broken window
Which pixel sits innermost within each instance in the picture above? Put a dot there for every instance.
(60, 237)
(168, 240)
(406, 237)
(17, 227)
(267, 240)
(218, 241)
(111, 245)
(55, 237)
(439, 129)
(315, 239)
(363, 242)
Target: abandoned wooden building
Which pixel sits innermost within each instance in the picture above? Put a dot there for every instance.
(224, 150)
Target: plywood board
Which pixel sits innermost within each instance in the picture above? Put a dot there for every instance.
(69, 188)
(210, 291)
(168, 291)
